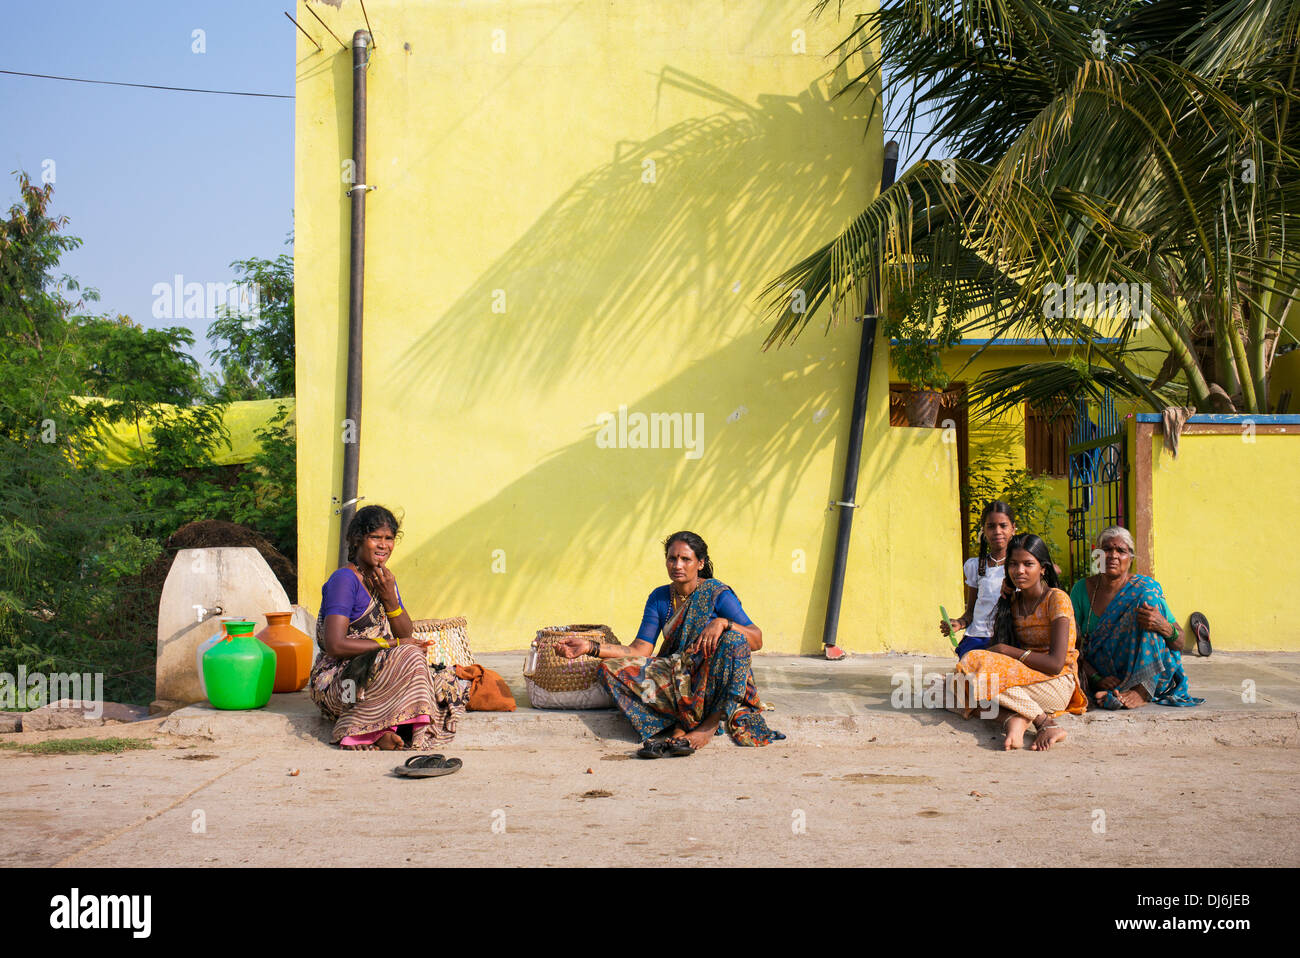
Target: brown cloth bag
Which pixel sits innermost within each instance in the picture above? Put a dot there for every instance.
(488, 691)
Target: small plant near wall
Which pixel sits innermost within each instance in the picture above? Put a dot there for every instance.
(922, 321)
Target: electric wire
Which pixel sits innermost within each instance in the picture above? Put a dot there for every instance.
(147, 86)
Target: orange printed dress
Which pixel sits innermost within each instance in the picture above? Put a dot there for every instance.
(1015, 685)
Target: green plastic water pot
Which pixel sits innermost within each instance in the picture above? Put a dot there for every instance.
(239, 670)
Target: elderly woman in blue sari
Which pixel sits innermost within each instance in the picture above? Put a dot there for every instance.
(1129, 643)
(702, 680)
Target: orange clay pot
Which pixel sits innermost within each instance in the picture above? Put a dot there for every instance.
(292, 648)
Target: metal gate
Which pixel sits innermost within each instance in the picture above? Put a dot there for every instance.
(1098, 479)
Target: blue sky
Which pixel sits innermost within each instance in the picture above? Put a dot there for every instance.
(156, 183)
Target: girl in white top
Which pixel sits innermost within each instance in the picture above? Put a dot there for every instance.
(984, 577)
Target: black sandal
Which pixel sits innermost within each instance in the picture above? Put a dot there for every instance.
(653, 748)
(679, 747)
(428, 766)
(1200, 627)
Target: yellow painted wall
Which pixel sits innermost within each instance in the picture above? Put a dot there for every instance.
(1217, 511)
(621, 180)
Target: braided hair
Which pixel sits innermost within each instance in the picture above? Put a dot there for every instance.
(1004, 629)
(1002, 508)
(696, 545)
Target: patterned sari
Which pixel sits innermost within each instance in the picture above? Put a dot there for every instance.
(682, 688)
(389, 689)
(1116, 646)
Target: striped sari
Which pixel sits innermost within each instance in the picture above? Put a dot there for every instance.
(385, 690)
(682, 688)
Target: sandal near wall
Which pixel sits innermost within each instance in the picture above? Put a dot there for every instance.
(1200, 627)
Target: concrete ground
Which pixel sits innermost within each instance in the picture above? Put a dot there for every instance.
(857, 782)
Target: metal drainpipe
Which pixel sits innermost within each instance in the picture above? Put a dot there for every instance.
(356, 288)
(860, 389)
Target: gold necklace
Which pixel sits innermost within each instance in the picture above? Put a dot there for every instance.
(1023, 613)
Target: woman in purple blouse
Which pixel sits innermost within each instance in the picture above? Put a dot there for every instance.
(371, 679)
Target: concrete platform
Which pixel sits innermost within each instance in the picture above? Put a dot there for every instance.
(820, 703)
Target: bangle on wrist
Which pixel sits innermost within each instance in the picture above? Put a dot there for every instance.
(383, 642)
(1026, 655)
(395, 613)
(595, 649)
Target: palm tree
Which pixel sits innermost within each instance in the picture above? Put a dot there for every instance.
(1094, 144)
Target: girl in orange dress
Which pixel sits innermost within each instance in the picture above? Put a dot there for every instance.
(1031, 670)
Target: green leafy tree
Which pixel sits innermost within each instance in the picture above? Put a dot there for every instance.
(1093, 144)
(78, 541)
(256, 352)
(67, 543)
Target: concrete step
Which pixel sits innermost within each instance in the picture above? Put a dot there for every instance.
(834, 703)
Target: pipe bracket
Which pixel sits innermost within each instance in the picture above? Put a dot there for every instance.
(343, 505)
(360, 186)
(846, 505)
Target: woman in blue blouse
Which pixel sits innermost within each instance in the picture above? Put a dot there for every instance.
(702, 680)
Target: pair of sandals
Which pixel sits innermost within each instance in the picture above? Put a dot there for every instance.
(428, 766)
(665, 748)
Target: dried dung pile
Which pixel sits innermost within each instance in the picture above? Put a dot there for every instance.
(212, 533)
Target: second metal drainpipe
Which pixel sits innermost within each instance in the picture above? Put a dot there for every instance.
(860, 388)
(356, 290)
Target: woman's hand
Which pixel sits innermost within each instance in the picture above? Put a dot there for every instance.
(572, 646)
(1003, 649)
(708, 641)
(1149, 620)
(385, 584)
(418, 641)
(1106, 683)
(949, 626)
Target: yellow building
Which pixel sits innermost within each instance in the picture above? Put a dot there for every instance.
(575, 208)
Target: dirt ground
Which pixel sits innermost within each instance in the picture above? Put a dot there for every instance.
(192, 802)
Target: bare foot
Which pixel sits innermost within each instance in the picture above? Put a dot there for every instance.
(1048, 735)
(1133, 698)
(701, 736)
(389, 741)
(1015, 728)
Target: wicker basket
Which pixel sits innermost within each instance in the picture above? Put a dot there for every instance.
(555, 682)
(448, 641)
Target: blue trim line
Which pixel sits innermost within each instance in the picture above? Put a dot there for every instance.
(1104, 340)
(1232, 419)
